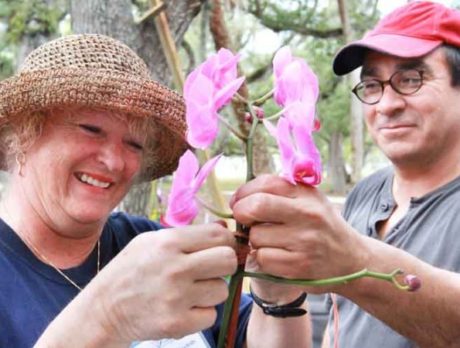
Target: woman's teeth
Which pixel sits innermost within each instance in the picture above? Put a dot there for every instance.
(93, 182)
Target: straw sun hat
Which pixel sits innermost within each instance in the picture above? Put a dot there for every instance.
(95, 71)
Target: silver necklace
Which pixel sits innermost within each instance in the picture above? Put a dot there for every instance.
(49, 263)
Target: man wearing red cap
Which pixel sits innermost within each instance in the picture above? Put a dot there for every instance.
(406, 216)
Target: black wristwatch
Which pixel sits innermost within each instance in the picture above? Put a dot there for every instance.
(292, 309)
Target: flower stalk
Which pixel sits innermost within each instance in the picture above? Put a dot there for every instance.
(216, 212)
(260, 101)
(230, 317)
(391, 277)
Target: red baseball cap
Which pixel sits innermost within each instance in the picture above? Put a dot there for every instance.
(410, 31)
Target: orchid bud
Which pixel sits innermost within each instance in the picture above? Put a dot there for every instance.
(413, 282)
(260, 113)
(248, 117)
(316, 125)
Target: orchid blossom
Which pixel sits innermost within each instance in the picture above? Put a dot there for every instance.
(207, 89)
(188, 179)
(300, 159)
(293, 79)
(296, 88)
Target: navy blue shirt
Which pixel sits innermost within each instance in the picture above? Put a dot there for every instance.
(33, 293)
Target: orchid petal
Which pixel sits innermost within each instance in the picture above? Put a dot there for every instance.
(286, 147)
(301, 114)
(294, 80)
(282, 58)
(199, 88)
(226, 93)
(221, 67)
(182, 208)
(271, 128)
(202, 125)
(205, 171)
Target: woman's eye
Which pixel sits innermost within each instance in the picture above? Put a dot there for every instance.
(90, 128)
(135, 145)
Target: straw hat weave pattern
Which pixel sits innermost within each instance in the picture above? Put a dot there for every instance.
(96, 71)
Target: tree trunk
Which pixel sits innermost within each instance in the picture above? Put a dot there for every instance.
(356, 112)
(262, 160)
(337, 164)
(114, 18)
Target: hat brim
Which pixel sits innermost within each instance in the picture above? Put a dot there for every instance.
(103, 89)
(352, 55)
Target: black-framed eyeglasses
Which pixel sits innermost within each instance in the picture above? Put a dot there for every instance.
(405, 82)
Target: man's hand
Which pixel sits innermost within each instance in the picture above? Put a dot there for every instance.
(296, 232)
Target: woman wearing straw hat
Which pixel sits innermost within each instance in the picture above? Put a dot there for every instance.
(74, 139)
(80, 123)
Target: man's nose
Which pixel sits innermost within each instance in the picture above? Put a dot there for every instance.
(390, 102)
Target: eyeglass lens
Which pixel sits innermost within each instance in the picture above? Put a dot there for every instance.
(404, 82)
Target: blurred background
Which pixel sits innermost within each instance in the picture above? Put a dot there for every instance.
(174, 36)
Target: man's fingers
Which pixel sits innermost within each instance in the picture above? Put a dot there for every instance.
(282, 263)
(274, 235)
(264, 184)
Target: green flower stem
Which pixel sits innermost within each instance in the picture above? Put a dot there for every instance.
(213, 210)
(250, 145)
(390, 277)
(234, 296)
(237, 277)
(232, 129)
(240, 98)
(260, 101)
(276, 116)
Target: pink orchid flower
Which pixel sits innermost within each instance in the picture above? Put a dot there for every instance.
(182, 205)
(208, 88)
(222, 67)
(293, 79)
(300, 159)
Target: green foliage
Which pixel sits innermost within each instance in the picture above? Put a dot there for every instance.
(29, 18)
(294, 15)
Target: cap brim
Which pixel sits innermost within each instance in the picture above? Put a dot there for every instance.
(352, 55)
(107, 90)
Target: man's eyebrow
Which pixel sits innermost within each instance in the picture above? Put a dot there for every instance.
(414, 64)
(368, 71)
(417, 64)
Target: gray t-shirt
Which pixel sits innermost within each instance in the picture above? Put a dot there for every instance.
(430, 230)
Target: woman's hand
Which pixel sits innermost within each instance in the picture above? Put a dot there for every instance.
(164, 284)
